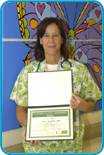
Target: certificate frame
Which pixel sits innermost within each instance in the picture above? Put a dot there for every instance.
(50, 123)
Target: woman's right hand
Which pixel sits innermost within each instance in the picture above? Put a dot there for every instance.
(31, 142)
(21, 113)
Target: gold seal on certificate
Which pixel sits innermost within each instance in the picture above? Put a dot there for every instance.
(50, 116)
(52, 123)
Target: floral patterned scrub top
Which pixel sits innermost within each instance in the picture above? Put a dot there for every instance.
(83, 86)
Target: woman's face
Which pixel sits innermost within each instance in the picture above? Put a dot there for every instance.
(51, 40)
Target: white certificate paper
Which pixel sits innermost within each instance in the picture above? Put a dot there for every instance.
(49, 88)
(53, 123)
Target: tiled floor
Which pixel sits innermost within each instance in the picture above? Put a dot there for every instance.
(92, 146)
(15, 149)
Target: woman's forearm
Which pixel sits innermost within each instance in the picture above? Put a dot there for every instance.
(21, 114)
(88, 106)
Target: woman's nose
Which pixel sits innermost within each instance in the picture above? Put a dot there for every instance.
(51, 38)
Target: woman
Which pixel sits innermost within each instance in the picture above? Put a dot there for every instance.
(50, 56)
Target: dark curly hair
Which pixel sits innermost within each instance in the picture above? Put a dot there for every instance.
(39, 51)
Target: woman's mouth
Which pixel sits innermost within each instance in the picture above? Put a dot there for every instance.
(51, 46)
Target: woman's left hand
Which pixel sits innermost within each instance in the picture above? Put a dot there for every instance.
(78, 103)
(75, 102)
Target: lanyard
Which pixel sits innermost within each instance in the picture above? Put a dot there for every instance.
(66, 61)
(62, 64)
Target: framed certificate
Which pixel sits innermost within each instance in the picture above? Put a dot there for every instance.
(50, 123)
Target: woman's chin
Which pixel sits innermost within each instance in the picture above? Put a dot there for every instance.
(53, 52)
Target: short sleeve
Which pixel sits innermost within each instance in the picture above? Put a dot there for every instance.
(19, 92)
(85, 86)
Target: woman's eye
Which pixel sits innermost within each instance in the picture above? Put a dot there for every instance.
(55, 35)
(46, 35)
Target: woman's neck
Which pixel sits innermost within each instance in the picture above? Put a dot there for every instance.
(52, 59)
